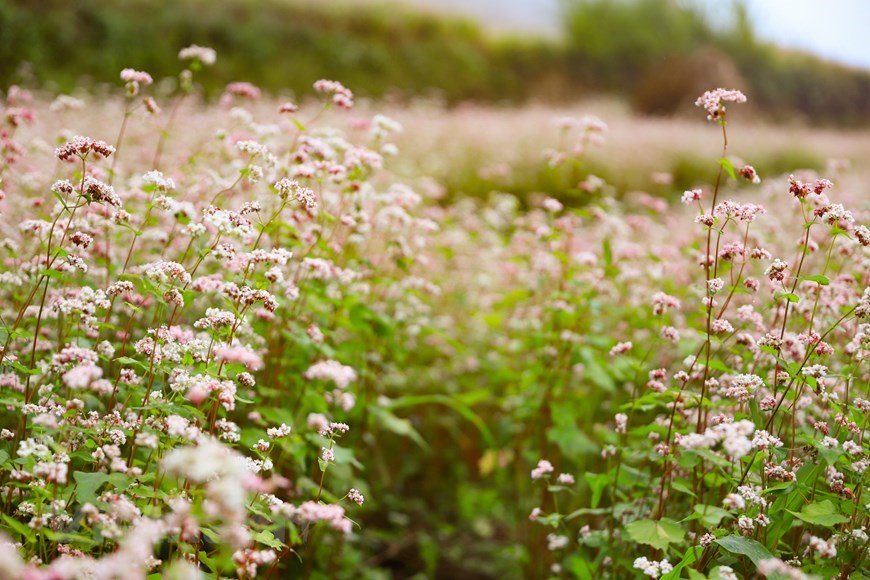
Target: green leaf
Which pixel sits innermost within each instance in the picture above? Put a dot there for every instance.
(728, 167)
(567, 434)
(87, 485)
(607, 251)
(464, 410)
(791, 297)
(23, 369)
(710, 514)
(689, 558)
(267, 538)
(718, 365)
(823, 280)
(658, 534)
(399, 426)
(598, 482)
(745, 547)
(823, 513)
(19, 527)
(61, 199)
(682, 485)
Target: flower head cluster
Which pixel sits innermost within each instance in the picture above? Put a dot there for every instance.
(714, 102)
(81, 147)
(203, 55)
(341, 96)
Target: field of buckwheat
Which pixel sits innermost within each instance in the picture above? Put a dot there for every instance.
(236, 342)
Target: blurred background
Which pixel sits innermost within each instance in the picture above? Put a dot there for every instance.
(800, 61)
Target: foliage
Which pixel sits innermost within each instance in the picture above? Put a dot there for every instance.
(657, 53)
(233, 343)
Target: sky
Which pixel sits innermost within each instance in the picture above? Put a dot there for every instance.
(835, 29)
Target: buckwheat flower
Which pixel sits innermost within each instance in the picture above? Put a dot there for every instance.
(734, 502)
(81, 376)
(776, 567)
(556, 542)
(706, 540)
(764, 441)
(721, 326)
(821, 185)
(100, 192)
(776, 270)
(331, 370)
(149, 440)
(81, 239)
(164, 272)
(715, 285)
(243, 89)
(288, 107)
(621, 348)
(327, 455)
(239, 354)
(248, 561)
(748, 212)
(130, 75)
(543, 469)
(278, 432)
(119, 288)
(621, 420)
(705, 220)
(151, 106)
(341, 96)
(333, 515)
(748, 173)
(691, 196)
(825, 549)
(355, 496)
(66, 103)
(338, 428)
(852, 448)
(834, 214)
(737, 447)
(174, 296)
(82, 147)
(830, 443)
(552, 205)
(663, 302)
(565, 479)
(202, 54)
(798, 188)
(670, 334)
(652, 568)
(816, 371)
(161, 183)
(28, 447)
(863, 235)
(713, 102)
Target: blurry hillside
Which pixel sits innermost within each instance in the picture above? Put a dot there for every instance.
(656, 53)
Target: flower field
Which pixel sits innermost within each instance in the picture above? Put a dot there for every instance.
(266, 339)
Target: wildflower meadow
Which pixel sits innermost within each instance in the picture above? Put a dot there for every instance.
(253, 338)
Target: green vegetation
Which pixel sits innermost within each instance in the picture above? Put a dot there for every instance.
(659, 53)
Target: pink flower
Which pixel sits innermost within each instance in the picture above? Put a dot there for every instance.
(713, 102)
(543, 469)
(239, 354)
